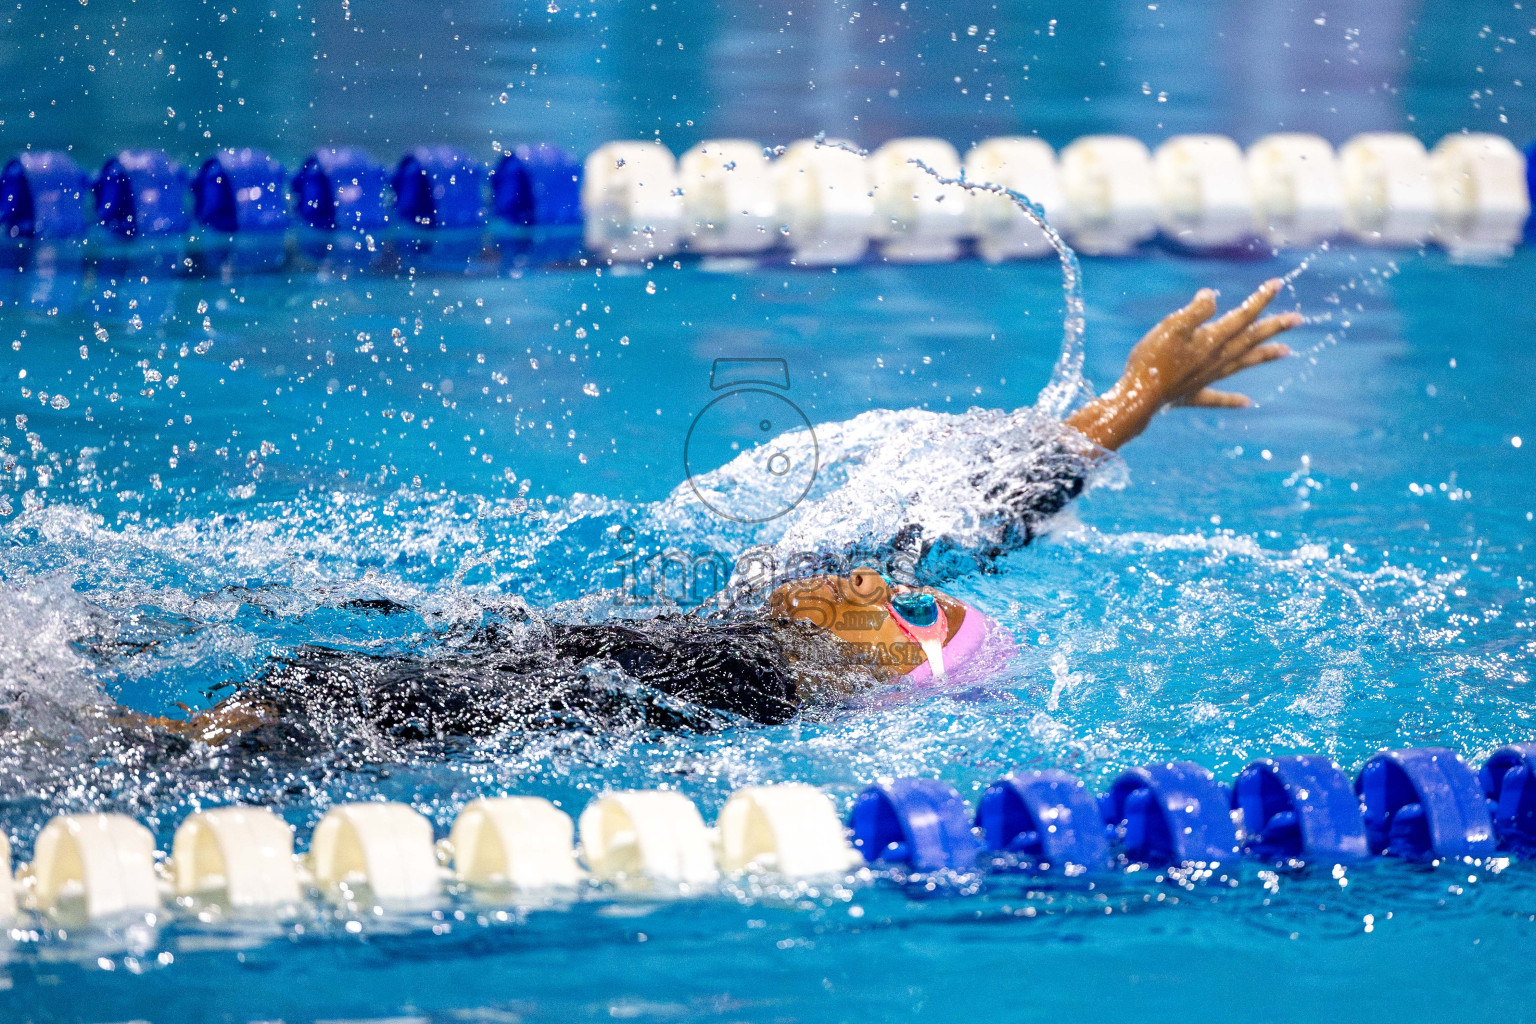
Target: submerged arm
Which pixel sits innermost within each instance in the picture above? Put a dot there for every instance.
(1178, 361)
(219, 724)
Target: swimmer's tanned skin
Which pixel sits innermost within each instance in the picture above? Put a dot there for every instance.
(1178, 360)
(1176, 363)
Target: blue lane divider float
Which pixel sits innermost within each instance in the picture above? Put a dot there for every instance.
(340, 188)
(1300, 807)
(142, 192)
(1417, 804)
(537, 186)
(1171, 813)
(43, 195)
(921, 823)
(1509, 783)
(1530, 189)
(438, 187)
(1045, 818)
(241, 190)
(1424, 803)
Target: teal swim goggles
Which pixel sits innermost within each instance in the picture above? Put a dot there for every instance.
(921, 618)
(916, 609)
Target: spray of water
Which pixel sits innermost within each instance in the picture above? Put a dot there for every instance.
(1066, 388)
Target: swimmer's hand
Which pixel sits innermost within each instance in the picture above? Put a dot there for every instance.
(1178, 361)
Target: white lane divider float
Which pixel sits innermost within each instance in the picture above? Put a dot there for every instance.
(1110, 193)
(1020, 164)
(630, 195)
(728, 197)
(1389, 197)
(639, 836)
(94, 866)
(1204, 199)
(524, 842)
(1482, 199)
(1298, 196)
(239, 856)
(824, 205)
(917, 219)
(791, 829)
(386, 847)
(7, 882)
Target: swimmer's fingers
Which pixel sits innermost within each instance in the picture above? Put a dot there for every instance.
(1182, 321)
(1265, 329)
(1235, 320)
(1253, 336)
(1210, 398)
(1257, 357)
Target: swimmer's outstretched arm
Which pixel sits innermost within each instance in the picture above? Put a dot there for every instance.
(1178, 361)
(225, 720)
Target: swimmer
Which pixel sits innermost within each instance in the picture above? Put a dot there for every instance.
(1176, 363)
(817, 639)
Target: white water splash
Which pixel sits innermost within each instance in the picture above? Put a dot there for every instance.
(1066, 388)
(970, 482)
(893, 486)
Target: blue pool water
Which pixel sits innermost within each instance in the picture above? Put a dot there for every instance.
(1343, 568)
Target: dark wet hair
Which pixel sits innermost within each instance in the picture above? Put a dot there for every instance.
(673, 672)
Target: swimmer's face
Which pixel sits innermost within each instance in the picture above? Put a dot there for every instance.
(826, 601)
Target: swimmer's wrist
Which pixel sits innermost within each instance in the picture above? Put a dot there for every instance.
(1135, 398)
(1128, 410)
(1119, 414)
